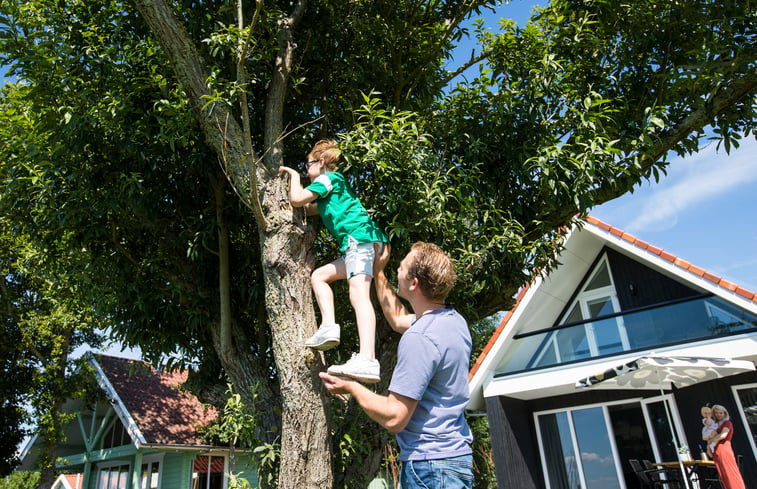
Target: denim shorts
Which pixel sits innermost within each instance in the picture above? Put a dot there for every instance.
(444, 473)
(358, 258)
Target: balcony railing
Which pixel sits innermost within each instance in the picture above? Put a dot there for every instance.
(681, 321)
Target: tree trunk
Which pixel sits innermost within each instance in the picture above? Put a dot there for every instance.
(286, 254)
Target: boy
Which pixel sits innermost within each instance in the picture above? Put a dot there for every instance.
(347, 220)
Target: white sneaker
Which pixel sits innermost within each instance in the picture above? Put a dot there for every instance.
(326, 338)
(359, 368)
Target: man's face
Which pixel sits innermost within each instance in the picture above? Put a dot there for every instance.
(403, 277)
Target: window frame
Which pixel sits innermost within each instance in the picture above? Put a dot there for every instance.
(114, 463)
(149, 460)
(225, 457)
(742, 417)
(643, 405)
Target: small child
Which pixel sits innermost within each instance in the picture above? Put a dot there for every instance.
(347, 220)
(710, 427)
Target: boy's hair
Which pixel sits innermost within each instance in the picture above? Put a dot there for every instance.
(329, 151)
(433, 269)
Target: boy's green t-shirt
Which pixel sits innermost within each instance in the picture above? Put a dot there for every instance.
(342, 213)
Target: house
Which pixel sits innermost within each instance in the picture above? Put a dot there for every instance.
(145, 436)
(611, 299)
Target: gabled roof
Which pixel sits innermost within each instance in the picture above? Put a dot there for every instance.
(581, 246)
(150, 403)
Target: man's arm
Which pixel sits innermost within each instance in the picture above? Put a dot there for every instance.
(393, 412)
(394, 311)
(298, 195)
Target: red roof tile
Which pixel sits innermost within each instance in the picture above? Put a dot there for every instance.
(674, 259)
(74, 480)
(164, 414)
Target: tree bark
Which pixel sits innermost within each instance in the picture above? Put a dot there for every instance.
(286, 252)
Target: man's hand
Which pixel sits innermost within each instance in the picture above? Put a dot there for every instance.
(381, 258)
(334, 384)
(392, 412)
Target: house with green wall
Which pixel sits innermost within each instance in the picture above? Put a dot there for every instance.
(144, 433)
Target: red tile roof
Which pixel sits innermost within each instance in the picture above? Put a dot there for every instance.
(74, 480)
(163, 413)
(747, 294)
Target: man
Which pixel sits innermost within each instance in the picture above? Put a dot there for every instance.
(429, 388)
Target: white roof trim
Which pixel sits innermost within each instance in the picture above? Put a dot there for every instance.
(128, 421)
(484, 375)
(63, 481)
(670, 267)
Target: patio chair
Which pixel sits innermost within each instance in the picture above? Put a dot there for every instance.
(671, 479)
(650, 478)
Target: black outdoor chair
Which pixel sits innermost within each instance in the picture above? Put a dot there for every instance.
(662, 476)
(651, 478)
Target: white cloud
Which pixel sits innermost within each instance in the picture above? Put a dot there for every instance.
(694, 181)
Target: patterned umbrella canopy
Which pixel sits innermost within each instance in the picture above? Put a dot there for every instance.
(663, 372)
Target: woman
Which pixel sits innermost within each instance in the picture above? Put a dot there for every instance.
(723, 456)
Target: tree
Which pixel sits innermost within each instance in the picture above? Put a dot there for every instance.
(46, 320)
(20, 480)
(193, 246)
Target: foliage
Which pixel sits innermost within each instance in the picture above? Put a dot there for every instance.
(20, 479)
(238, 427)
(483, 457)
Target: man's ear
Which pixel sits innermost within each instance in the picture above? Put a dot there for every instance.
(414, 284)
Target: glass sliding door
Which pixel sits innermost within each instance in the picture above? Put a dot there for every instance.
(577, 450)
(595, 447)
(746, 396)
(558, 453)
(631, 437)
(660, 430)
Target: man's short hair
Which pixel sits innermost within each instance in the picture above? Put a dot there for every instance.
(434, 270)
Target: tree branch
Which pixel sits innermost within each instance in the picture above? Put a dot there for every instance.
(274, 106)
(189, 67)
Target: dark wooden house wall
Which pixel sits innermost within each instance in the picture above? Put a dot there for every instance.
(638, 285)
(514, 447)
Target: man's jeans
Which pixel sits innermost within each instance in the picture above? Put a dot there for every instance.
(445, 473)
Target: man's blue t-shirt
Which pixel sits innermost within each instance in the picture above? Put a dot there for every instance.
(432, 368)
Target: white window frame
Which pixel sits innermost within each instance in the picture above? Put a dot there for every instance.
(643, 402)
(149, 460)
(740, 407)
(584, 297)
(225, 467)
(114, 463)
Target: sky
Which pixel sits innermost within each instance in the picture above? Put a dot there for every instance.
(702, 211)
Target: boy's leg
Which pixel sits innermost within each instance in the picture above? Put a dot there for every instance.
(359, 266)
(328, 333)
(365, 316)
(324, 296)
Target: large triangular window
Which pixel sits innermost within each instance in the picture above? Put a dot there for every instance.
(582, 338)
